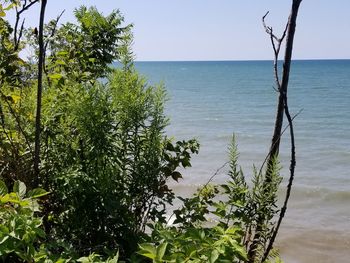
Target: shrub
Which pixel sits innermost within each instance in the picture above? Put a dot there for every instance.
(216, 223)
(104, 153)
(20, 227)
(109, 161)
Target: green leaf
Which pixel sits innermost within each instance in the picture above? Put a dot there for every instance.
(60, 62)
(4, 229)
(186, 162)
(9, 7)
(161, 250)
(20, 188)
(170, 146)
(40, 232)
(231, 230)
(214, 256)
(37, 192)
(14, 98)
(62, 53)
(114, 259)
(24, 203)
(176, 176)
(11, 197)
(55, 76)
(4, 199)
(3, 188)
(147, 250)
(240, 251)
(3, 239)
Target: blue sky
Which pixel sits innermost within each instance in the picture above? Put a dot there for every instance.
(222, 29)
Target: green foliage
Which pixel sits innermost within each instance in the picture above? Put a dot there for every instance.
(20, 227)
(194, 209)
(116, 160)
(83, 51)
(194, 244)
(192, 239)
(104, 155)
(10, 62)
(107, 162)
(95, 258)
(216, 223)
(16, 108)
(16, 133)
(22, 237)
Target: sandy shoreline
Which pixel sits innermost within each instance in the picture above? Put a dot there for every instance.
(307, 246)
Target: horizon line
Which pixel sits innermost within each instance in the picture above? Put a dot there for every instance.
(242, 60)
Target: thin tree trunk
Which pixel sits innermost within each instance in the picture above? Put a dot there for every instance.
(275, 143)
(39, 94)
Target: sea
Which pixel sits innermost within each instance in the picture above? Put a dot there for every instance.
(212, 100)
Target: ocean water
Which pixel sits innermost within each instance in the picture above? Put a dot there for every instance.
(212, 100)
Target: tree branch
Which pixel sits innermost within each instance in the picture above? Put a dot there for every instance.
(25, 7)
(276, 45)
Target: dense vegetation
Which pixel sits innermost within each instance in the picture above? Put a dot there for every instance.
(105, 159)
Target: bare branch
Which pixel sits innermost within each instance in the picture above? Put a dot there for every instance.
(25, 7)
(268, 29)
(215, 174)
(53, 31)
(285, 31)
(276, 45)
(19, 36)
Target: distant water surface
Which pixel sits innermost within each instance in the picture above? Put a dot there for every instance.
(212, 100)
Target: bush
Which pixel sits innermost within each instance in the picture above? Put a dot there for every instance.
(104, 154)
(216, 223)
(20, 227)
(109, 161)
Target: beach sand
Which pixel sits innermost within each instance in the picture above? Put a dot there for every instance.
(321, 246)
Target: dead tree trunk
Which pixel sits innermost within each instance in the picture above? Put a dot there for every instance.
(39, 94)
(283, 85)
(282, 108)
